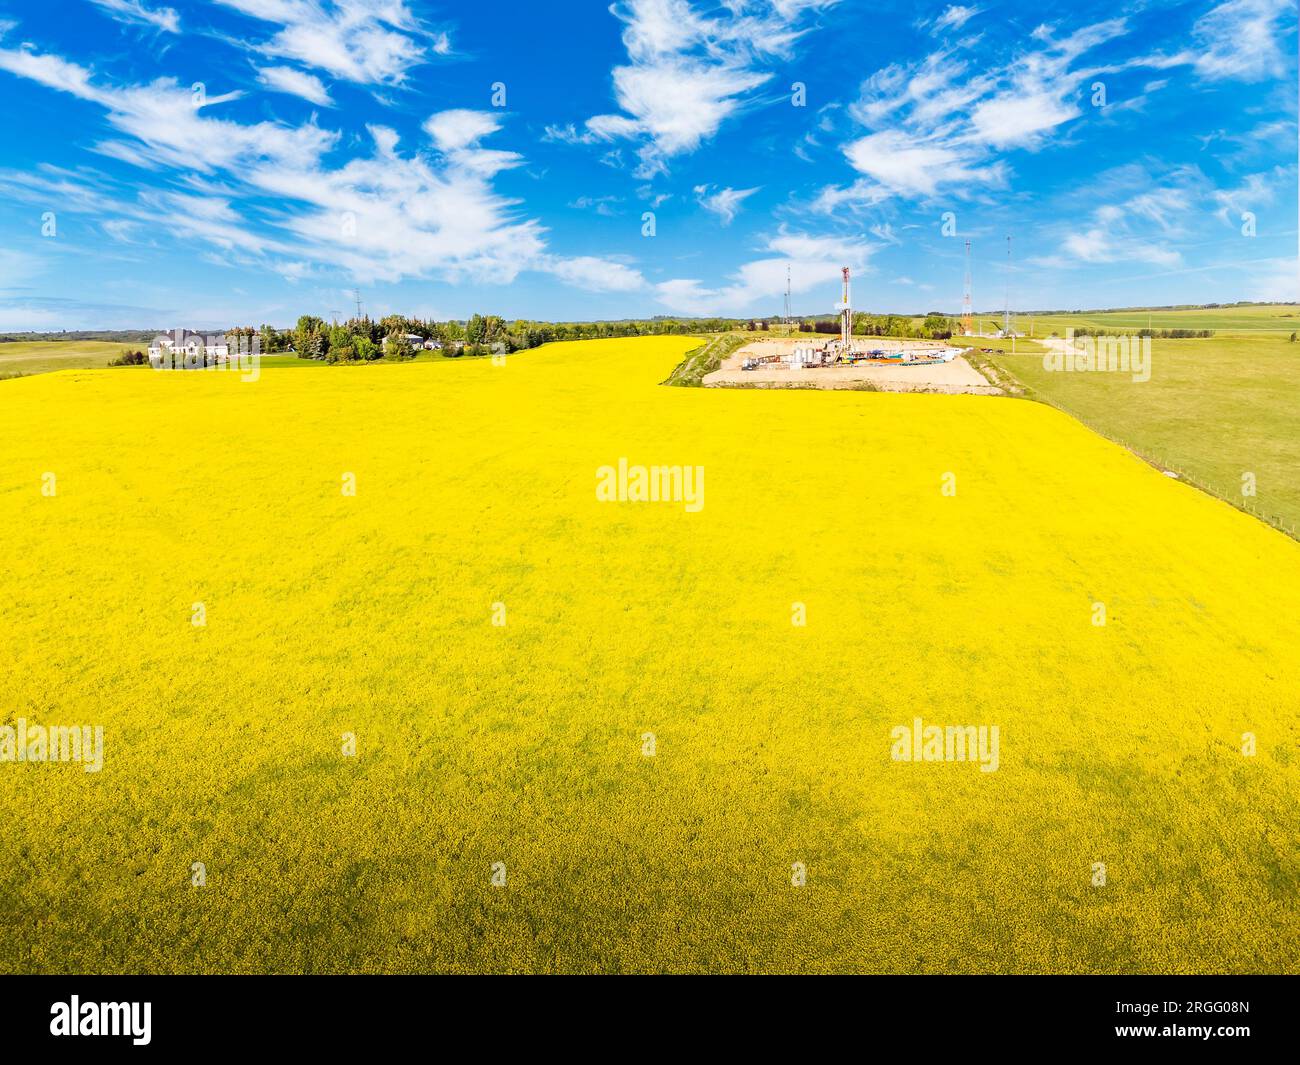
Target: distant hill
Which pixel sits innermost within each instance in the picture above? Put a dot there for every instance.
(112, 336)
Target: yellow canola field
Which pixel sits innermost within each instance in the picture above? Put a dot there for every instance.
(648, 766)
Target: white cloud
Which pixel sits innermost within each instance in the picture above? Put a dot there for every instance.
(1019, 117)
(934, 126)
(1099, 245)
(167, 122)
(295, 83)
(1141, 219)
(392, 215)
(687, 72)
(857, 196)
(595, 274)
(907, 164)
(457, 129)
(386, 216)
(161, 18)
(813, 261)
(369, 42)
(1240, 39)
(120, 229)
(1255, 192)
(602, 205)
(954, 17)
(725, 203)
(677, 102)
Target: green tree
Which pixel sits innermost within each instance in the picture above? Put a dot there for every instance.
(307, 338)
(398, 346)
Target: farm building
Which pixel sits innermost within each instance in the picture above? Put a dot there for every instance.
(166, 347)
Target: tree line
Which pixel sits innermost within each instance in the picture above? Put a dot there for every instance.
(934, 327)
(1159, 334)
(366, 339)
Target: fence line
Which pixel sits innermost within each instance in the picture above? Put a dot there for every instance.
(1273, 520)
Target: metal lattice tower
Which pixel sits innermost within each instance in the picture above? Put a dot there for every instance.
(787, 295)
(846, 313)
(966, 320)
(1006, 307)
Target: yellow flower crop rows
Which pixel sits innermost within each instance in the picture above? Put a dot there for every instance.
(639, 767)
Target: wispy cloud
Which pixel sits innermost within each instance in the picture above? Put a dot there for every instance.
(385, 216)
(1255, 192)
(1240, 39)
(953, 17)
(1141, 219)
(369, 42)
(602, 205)
(295, 83)
(594, 274)
(688, 72)
(134, 11)
(725, 203)
(938, 125)
(813, 262)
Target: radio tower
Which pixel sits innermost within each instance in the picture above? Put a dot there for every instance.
(787, 298)
(846, 313)
(1006, 307)
(965, 298)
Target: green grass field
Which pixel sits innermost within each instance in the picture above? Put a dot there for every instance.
(1265, 318)
(45, 356)
(1213, 410)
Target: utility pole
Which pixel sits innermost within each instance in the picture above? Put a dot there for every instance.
(357, 293)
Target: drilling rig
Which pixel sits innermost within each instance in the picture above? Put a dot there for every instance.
(846, 313)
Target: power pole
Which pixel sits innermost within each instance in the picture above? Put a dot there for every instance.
(357, 293)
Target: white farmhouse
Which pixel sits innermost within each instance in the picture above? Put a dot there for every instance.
(182, 346)
(414, 339)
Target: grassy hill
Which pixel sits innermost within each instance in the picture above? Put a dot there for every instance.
(43, 356)
(1252, 319)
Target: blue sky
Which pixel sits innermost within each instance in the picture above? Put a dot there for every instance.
(241, 161)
